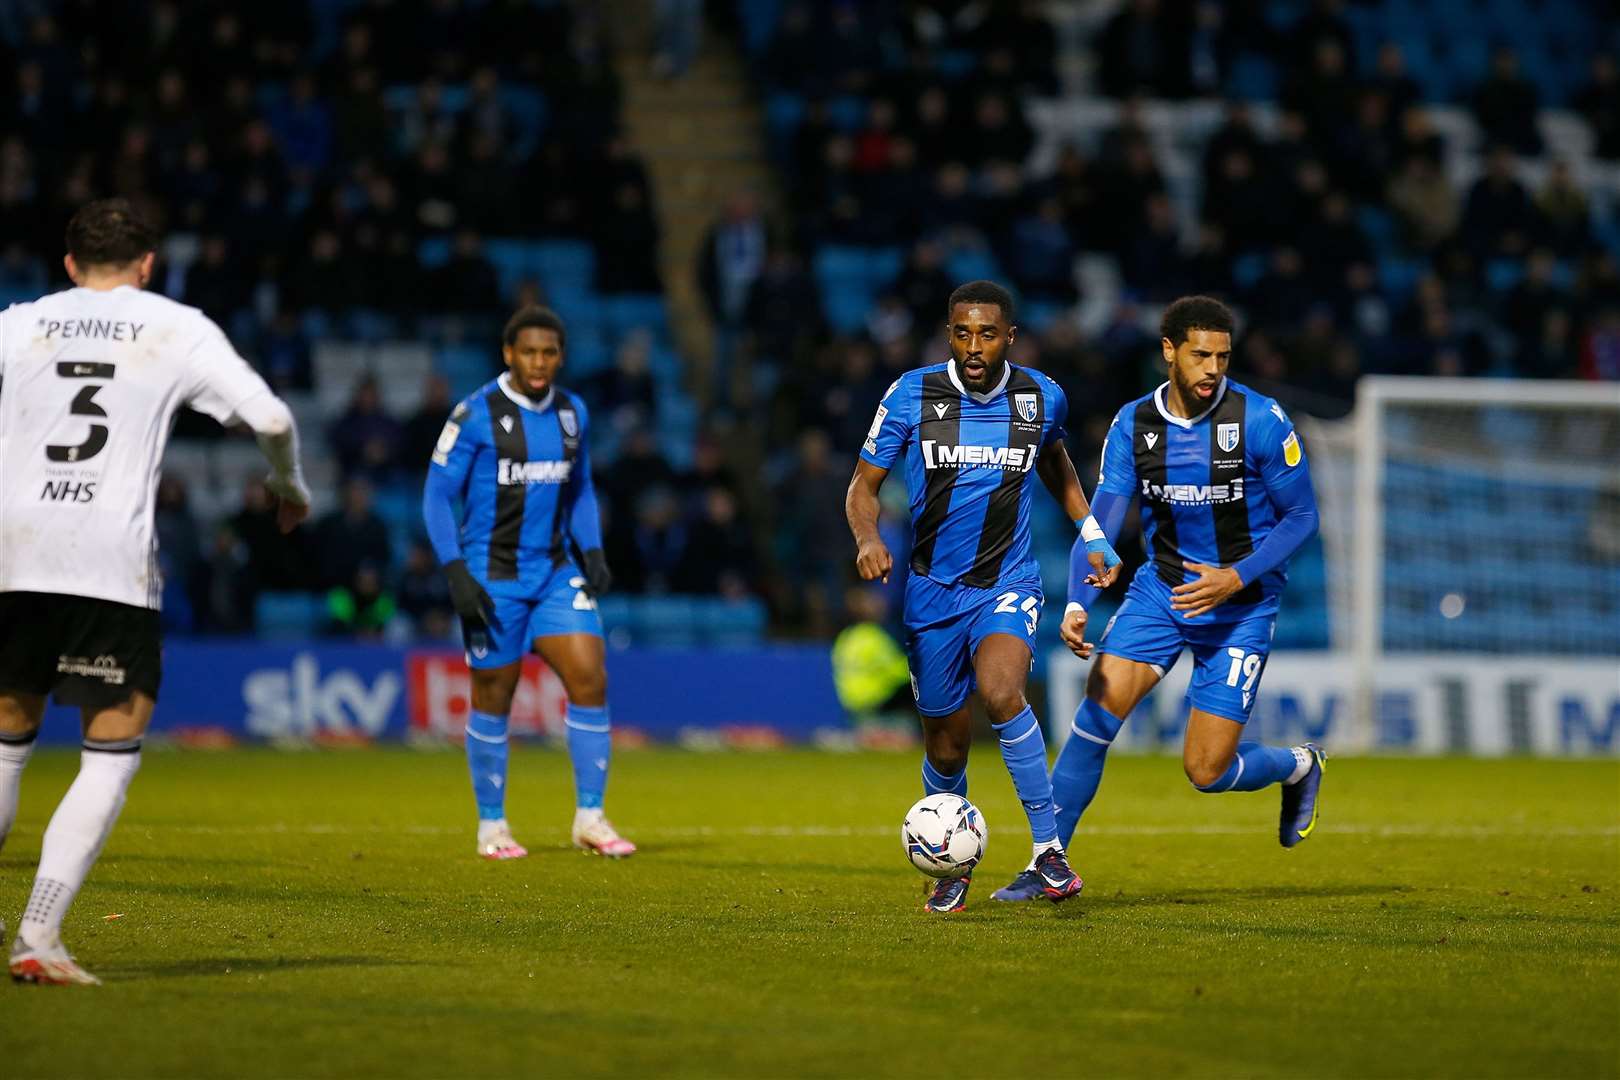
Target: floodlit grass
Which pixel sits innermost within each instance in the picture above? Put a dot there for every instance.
(323, 914)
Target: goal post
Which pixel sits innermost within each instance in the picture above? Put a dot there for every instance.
(1483, 526)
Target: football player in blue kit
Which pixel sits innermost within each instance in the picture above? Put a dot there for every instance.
(972, 432)
(524, 559)
(1226, 500)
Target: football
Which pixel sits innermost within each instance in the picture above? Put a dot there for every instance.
(944, 835)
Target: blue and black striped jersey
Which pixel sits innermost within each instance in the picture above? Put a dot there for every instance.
(969, 460)
(521, 470)
(1209, 486)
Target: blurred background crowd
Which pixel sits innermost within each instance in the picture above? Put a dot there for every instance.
(750, 213)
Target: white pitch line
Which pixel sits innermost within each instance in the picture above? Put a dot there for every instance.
(1452, 831)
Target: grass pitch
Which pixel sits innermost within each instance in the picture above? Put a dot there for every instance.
(322, 914)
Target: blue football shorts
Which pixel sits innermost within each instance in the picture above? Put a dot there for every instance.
(558, 605)
(946, 623)
(1228, 656)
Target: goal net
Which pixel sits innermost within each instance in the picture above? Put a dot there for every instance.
(1474, 525)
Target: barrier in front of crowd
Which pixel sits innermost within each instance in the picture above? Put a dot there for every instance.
(218, 692)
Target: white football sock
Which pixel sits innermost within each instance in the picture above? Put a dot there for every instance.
(13, 756)
(76, 834)
(1041, 849)
(486, 826)
(1302, 764)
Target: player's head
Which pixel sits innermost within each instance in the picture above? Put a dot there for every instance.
(109, 239)
(979, 326)
(1196, 336)
(533, 345)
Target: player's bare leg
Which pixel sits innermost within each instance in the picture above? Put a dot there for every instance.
(1001, 668)
(1113, 689)
(945, 752)
(492, 693)
(75, 836)
(580, 661)
(1217, 760)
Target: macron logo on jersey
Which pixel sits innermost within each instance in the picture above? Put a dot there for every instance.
(1194, 494)
(517, 473)
(937, 455)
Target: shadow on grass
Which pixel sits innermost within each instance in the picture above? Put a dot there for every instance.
(244, 965)
(1247, 894)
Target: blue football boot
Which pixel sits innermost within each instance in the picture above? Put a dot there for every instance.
(1026, 886)
(1058, 882)
(1300, 801)
(948, 895)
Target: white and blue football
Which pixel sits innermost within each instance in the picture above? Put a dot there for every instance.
(944, 835)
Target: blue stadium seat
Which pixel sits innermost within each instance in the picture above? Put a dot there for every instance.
(511, 263)
(971, 264)
(467, 367)
(288, 616)
(563, 263)
(731, 622)
(665, 620)
(1253, 77)
(434, 251)
(627, 312)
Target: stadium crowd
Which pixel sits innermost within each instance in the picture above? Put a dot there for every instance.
(341, 170)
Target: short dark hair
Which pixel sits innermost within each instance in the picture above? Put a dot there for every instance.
(109, 232)
(982, 292)
(1195, 313)
(540, 318)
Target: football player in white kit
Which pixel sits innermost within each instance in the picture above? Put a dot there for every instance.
(90, 380)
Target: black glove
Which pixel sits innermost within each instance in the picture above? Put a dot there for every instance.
(598, 578)
(469, 598)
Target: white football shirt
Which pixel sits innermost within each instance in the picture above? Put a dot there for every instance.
(89, 385)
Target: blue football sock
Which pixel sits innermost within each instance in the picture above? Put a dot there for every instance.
(935, 781)
(1254, 767)
(486, 761)
(1079, 767)
(1024, 750)
(590, 744)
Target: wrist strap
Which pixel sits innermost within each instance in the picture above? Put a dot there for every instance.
(1072, 607)
(1090, 530)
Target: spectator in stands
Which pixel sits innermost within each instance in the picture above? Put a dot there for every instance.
(230, 585)
(680, 32)
(1135, 52)
(365, 439)
(1566, 216)
(1152, 264)
(783, 307)
(1325, 94)
(1392, 81)
(1425, 203)
(424, 595)
(1335, 243)
(467, 282)
(180, 541)
(627, 241)
(1505, 105)
(810, 547)
(350, 537)
(1526, 307)
(258, 552)
(719, 556)
(1599, 103)
(1040, 255)
(729, 263)
(421, 432)
(1498, 218)
(217, 282)
(657, 543)
(362, 608)
(626, 394)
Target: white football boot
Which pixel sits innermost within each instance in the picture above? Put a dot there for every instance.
(495, 841)
(49, 965)
(594, 832)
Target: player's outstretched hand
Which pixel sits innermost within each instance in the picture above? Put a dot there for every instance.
(470, 599)
(1073, 631)
(598, 578)
(874, 561)
(1212, 586)
(292, 503)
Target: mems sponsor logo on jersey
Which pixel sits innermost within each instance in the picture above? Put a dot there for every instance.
(938, 455)
(1193, 494)
(517, 473)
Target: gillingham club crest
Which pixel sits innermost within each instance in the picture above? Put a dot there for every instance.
(1026, 405)
(1226, 437)
(570, 422)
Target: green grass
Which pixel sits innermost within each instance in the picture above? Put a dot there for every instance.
(322, 914)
